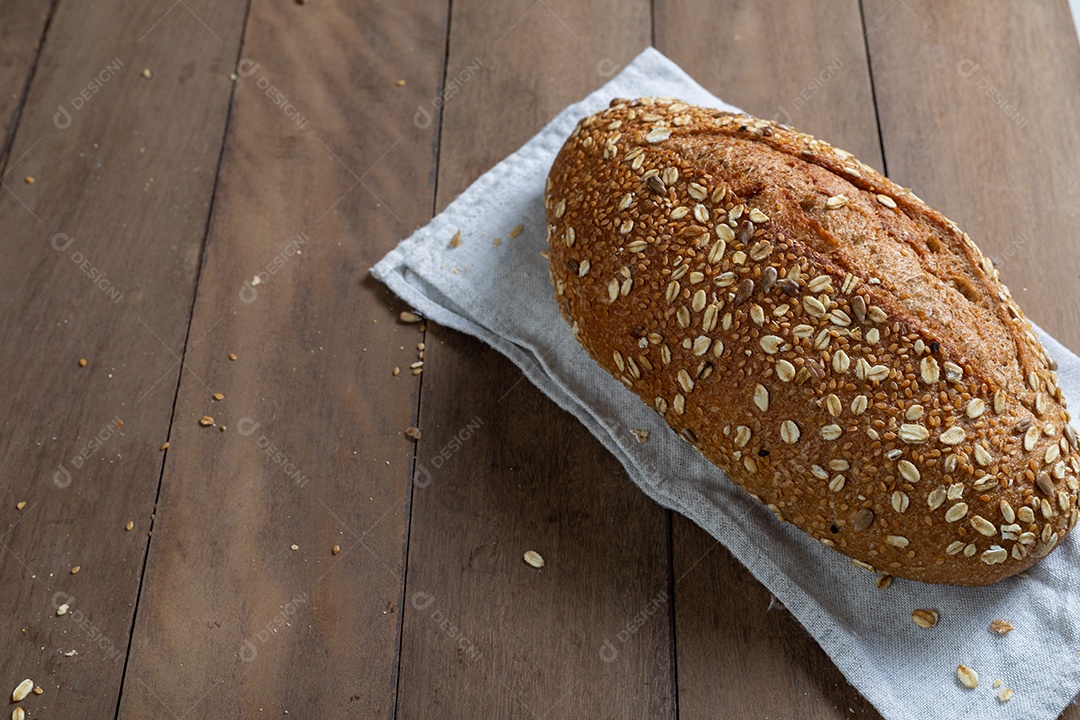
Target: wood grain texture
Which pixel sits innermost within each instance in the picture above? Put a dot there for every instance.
(245, 608)
(100, 259)
(506, 471)
(1002, 156)
(20, 43)
(736, 649)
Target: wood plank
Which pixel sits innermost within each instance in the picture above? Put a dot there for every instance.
(101, 254)
(20, 43)
(485, 635)
(1001, 157)
(230, 616)
(739, 653)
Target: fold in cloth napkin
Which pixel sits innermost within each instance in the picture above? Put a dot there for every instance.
(502, 295)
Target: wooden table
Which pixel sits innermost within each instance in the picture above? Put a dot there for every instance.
(144, 189)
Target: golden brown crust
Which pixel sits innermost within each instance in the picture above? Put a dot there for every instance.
(845, 353)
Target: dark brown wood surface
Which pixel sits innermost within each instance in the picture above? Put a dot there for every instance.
(156, 199)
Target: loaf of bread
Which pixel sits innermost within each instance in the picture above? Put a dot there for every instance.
(842, 351)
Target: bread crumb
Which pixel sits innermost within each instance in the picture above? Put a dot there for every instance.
(129, 526)
(641, 435)
(400, 83)
(335, 550)
(412, 432)
(29, 180)
(232, 356)
(165, 445)
(20, 505)
(1001, 627)
(82, 362)
(456, 240)
(408, 317)
(146, 73)
(294, 547)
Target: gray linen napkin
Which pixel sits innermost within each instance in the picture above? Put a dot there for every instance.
(502, 295)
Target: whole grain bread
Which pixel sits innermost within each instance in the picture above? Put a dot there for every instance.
(842, 351)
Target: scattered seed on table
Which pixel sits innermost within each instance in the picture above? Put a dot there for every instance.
(400, 83)
(396, 371)
(206, 421)
(295, 546)
(420, 347)
(165, 445)
(417, 371)
(20, 505)
(335, 550)
(130, 525)
(18, 714)
(146, 73)
(967, 677)
(409, 317)
(1001, 627)
(218, 396)
(75, 570)
(232, 356)
(412, 432)
(119, 423)
(82, 362)
(417, 364)
(38, 689)
(534, 558)
(22, 690)
(223, 428)
(29, 180)
(62, 610)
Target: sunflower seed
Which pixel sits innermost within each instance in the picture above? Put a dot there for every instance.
(655, 184)
(745, 289)
(788, 286)
(863, 519)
